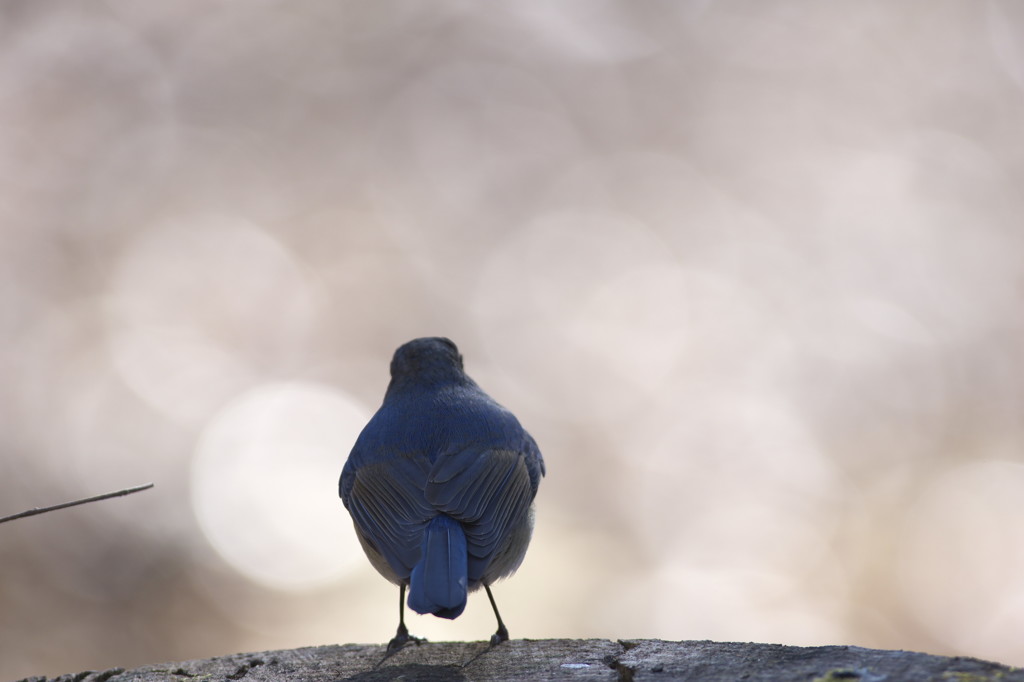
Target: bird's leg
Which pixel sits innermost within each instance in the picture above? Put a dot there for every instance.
(402, 637)
(502, 634)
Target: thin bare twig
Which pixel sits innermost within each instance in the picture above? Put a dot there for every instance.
(97, 498)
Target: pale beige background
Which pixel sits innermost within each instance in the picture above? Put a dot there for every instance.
(751, 272)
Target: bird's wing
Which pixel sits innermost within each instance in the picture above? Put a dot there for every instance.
(387, 505)
(488, 491)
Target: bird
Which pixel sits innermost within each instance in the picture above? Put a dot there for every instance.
(440, 485)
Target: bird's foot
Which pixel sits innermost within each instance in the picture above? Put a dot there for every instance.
(401, 638)
(500, 636)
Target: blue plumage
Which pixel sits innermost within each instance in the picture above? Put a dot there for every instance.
(440, 484)
(439, 581)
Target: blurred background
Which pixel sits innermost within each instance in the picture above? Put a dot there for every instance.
(752, 273)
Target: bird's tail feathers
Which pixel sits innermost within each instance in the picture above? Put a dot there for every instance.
(439, 582)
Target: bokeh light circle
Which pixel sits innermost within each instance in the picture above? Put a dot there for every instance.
(264, 484)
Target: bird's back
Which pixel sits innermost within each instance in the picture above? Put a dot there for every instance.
(448, 450)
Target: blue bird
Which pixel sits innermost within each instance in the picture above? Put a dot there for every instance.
(440, 486)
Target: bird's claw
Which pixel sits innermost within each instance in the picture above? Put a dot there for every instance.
(400, 640)
(500, 636)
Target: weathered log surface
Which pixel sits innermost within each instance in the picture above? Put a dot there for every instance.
(568, 659)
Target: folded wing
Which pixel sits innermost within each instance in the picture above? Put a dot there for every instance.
(489, 492)
(389, 510)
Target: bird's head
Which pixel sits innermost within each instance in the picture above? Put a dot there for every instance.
(427, 360)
